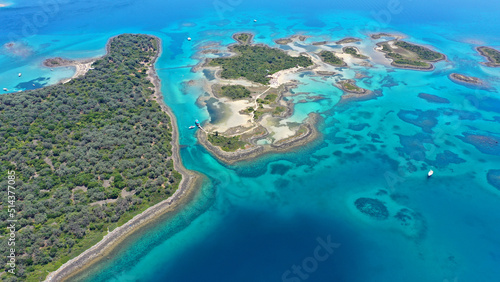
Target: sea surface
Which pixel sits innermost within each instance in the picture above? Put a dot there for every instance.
(293, 216)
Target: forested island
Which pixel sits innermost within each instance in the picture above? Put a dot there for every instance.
(353, 51)
(330, 58)
(88, 155)
(256, 62)
(491, 54)
(408, 55)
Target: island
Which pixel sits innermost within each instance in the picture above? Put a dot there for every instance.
(250, 89)
(353, 92)
(94, 158)
(332, 59)
(353, 51)
(491, 54)
(348, 40)
(408, 55)
(460, 78)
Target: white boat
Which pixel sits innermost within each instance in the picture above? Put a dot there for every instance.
(254, 21)
(5, 89)
(20, 74)
(430, 173)
(189, 38)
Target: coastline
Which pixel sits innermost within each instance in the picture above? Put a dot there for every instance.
(298, 140)
(112, 239)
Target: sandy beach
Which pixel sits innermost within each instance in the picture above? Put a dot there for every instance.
(189, 180)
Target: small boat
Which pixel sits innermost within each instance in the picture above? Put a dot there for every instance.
(5, 89)
(254, 21)
(20, 74)
(197, 123)
(430, 173)
(189, 38)
(192, 126)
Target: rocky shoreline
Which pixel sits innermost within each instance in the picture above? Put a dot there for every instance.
(111, 240)
(491, 62)
(311, 133)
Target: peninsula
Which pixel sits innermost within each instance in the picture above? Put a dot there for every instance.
(102, 151)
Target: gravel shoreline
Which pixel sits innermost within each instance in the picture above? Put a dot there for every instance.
(112, 239)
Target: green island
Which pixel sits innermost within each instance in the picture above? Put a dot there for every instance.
(283, 41)
(491, 54)
(235, 92)
(330, 58)
(350, 86)
(465, 79)
(348, 40)
(407, 55)
(353, 51)
(243, 38)
(88, 155)
(256, 62)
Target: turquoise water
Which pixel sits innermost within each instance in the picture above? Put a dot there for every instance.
(254, 221)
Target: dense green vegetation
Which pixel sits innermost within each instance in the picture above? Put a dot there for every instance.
(329, 57)
(228, 144)
(72, 145)
(422, 52)
(235, 92)
(255, 63)
(243, 37)
(351, 87)
(399, 59)
(271, 97)
(278, 110)
(492, 54)
(354, 52)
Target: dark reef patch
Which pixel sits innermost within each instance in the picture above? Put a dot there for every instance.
(358, 127)
(462, 115)
(423, 119)
(413, 146)
(315, 23)
(372, 207)
(388, 81)
(487, 144)
(281, 183)
(279, 169)
(485, 103)
(493, 177)
(446, 158)
(433, 98)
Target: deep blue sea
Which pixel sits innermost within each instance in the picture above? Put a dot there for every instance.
(292, 217)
